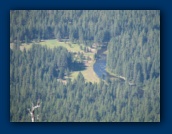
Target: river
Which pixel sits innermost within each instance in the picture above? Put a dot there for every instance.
(100, 65)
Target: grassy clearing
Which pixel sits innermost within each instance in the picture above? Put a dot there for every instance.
(51, 44)
(88, 73)
(24, 45)
(54, 43)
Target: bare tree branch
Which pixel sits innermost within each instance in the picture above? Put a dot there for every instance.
(33, 109)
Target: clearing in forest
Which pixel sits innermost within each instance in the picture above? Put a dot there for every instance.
(88, 72)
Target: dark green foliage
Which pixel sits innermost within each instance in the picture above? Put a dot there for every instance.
(133, 52)
(31, 79)
(86, 27)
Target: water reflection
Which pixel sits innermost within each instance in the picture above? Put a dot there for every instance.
(100, 66)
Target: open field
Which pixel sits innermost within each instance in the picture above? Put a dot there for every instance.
(24, 45)
(54, 43)
(88, 73)
(51, 44)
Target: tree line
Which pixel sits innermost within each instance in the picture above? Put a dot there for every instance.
(81, 26)
(133, 52)
(32, 79)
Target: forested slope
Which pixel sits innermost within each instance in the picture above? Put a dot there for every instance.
(82, 26)
(135, 52)
(31, 78)
(133, 39)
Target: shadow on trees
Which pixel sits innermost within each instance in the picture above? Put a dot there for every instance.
(78, 66)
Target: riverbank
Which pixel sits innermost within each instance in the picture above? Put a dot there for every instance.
(131, 83)
(115, 75)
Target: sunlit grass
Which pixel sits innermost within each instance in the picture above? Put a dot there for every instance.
(54, 43)
(88, 73)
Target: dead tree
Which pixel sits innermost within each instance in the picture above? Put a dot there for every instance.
(31, 111)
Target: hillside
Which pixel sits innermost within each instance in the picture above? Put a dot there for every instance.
(52, 53)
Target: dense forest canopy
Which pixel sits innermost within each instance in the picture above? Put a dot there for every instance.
(133, 53)
(80, 25)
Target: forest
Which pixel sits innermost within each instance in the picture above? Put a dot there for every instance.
(132, 38)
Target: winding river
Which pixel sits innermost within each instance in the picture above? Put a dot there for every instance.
(100, 65)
